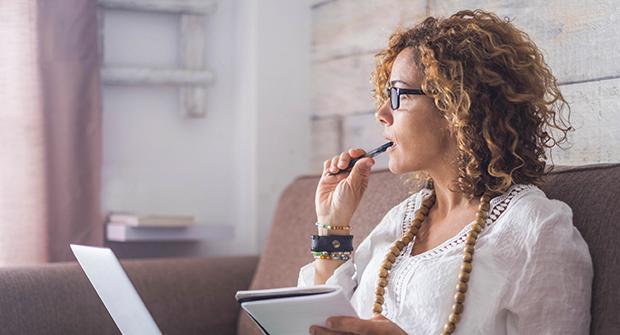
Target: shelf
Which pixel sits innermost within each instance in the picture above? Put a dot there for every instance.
(172, 6)
(123, 233)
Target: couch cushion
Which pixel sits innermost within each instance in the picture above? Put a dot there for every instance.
(591, 191)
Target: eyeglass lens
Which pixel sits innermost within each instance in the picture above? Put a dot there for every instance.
(394, 98)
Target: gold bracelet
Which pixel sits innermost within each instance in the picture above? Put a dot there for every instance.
(326, 226)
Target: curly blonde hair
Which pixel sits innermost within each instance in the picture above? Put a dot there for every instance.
(491, 83)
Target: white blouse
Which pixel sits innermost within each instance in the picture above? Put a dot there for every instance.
(532, 271)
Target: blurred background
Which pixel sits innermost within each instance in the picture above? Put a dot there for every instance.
(190, 117)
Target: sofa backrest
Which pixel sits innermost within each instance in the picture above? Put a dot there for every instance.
(184, 296)
(593, 192)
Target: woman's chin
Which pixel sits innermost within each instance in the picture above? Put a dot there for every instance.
(394, 167)
(397, 167)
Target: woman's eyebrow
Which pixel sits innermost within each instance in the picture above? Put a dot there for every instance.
(400, 81)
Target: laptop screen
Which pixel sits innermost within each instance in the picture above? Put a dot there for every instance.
(115, 290)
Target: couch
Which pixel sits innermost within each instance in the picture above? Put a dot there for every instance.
(196, 296)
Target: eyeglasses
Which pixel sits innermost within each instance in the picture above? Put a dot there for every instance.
(395, 92)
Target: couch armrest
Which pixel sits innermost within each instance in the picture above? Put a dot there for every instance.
(184, 296)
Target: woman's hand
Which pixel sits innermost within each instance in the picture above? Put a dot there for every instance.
(337, 197)
(339, 325)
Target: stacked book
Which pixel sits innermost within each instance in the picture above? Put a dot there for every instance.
(151, 220)
(123, 227)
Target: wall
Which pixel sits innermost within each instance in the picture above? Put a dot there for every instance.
(579, 39)
(230, 167)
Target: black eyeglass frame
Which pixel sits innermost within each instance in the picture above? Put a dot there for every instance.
(394, 94)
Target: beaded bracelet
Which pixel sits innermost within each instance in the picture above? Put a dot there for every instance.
(326, 226)
(338, 255)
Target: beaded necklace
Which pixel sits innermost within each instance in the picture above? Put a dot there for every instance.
(466, 267)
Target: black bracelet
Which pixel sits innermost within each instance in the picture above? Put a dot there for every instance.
(332, 243)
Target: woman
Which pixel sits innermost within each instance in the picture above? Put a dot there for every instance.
(468, 101)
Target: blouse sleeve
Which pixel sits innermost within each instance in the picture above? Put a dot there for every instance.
(348, 273)
(550, 289)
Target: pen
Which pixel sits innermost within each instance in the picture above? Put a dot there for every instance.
(371, 154)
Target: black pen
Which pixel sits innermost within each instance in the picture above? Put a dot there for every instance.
(371, 154)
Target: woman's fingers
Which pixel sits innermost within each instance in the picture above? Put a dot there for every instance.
(357, 152)
(326, 165)
(334, 164)
(341, 162)
(344, 160)
(316, 330)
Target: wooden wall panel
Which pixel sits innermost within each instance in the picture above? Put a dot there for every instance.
(596, 120)
(342, 86)
(579, 38)
(350, 27)
(326, 141)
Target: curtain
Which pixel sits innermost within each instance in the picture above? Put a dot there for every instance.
(50, 129)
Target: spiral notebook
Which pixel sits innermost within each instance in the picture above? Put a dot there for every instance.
(292, 310)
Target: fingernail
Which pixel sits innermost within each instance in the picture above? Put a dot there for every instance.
(312, 330)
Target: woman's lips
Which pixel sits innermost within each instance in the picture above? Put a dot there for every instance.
(391, 148)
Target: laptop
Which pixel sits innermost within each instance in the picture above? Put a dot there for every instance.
(115, 290)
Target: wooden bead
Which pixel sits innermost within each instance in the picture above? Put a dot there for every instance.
(383, 273)
(477, 228)
(459, 297)
(422, 211)
(473, 234)
(481, 217)
(457, 308)
(467, 257)
(484, 206)
(395, 251)
(382, 282)
(379, 300)
(390, 257)
(454, 318)
(464, 277)
(406, 239)
(379, 291)
(386, 266)
(468, 249)
(377, 309)
(399, 244)
(449, 327)
(461, 287)
(466, 267)
(470, 240)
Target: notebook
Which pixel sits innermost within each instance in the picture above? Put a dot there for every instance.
(292, 310)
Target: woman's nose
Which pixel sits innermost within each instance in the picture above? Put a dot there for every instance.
(383, 115)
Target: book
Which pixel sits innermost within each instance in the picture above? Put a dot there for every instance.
(152, 220)
(292, 310)
(118, 232)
